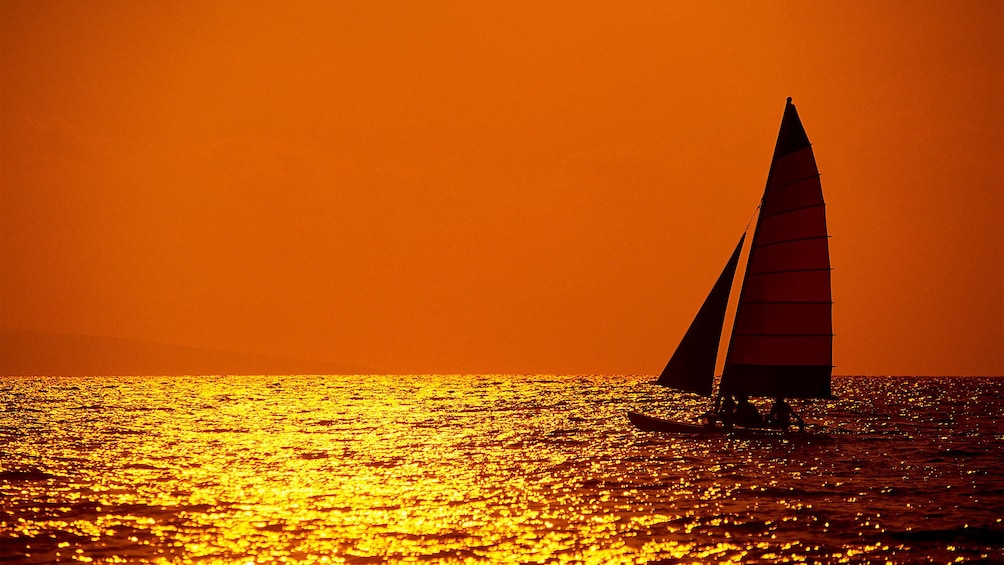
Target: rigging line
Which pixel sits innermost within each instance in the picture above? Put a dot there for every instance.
(753, 215)
(718, 397)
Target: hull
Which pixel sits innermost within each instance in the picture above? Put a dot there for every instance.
(653, 424)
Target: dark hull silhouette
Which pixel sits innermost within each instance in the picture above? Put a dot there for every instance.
(653, 424)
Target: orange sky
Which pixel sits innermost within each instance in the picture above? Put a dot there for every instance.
(510, 187)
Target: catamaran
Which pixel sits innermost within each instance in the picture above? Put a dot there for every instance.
(781, 344)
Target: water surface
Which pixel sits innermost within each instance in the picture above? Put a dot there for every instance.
(486, 469)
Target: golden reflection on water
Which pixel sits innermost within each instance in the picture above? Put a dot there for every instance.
(462, 469)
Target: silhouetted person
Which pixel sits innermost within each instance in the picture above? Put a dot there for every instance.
(727, 412)
(746, 414)
(781, 415)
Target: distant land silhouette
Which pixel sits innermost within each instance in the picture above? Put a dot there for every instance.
(28, 353)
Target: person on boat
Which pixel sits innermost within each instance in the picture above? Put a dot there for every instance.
(727, 411)
(781, 415)
(746, 414)
(724, 412)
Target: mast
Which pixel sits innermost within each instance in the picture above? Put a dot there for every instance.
(782, 338)
(692, 366)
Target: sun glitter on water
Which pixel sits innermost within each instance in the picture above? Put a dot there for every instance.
(465, 469)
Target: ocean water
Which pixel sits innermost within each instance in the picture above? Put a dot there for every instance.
(489, 469)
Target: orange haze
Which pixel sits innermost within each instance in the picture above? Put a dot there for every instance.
(504, 187)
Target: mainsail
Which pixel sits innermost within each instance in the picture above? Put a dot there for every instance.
(782, 338)
(692, 366)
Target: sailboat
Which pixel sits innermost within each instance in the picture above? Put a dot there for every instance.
(781, 345)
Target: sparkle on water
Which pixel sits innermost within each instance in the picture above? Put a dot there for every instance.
(485, 469)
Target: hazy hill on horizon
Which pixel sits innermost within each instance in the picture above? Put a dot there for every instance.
(30, 353)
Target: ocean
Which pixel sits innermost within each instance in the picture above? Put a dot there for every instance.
(489, 469)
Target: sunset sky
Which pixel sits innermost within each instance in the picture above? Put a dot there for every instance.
(492, 186)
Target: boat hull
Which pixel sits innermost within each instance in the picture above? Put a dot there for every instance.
(653, 424)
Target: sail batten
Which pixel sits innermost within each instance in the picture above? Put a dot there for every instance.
(794, 240)
(782, 337)
(782, 271)
(785, 302)
(779, 186)
(792, 210)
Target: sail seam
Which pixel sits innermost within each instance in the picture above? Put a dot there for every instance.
(799, 209)
(787, 302)
(768, 244)
(789, 271)
(789, 183)
(783, 335)
(748, 364)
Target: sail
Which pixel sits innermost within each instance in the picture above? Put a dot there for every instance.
(782, 338)
(692, 366)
